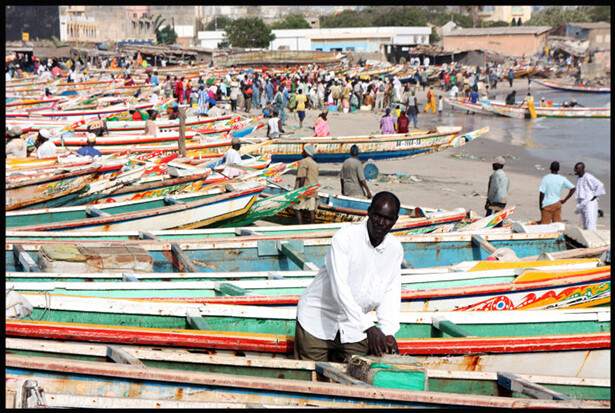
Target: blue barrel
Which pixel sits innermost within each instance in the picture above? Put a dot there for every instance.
(370, 170)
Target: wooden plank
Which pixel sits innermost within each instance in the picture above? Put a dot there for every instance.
(92, 211)
(483, 244)
(148, 235)
(183, 259)
(181, 140)
(450, 328)
(26, 261)
(296, 256)
(172, 201)
(196, 321)
(230, 289)
(337, 375)
(121, 356)
(515, 383)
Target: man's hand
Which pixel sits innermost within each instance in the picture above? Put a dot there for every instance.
(379, 344)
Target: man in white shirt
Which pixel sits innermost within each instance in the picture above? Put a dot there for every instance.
(362, 272)
(45, 148)
(589, 188)
(232, 157)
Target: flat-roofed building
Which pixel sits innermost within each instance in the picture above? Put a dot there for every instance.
(512, 41)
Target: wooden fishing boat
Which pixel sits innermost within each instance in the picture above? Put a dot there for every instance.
(522, 112)
(36, 189)
(146, 214)
(82, 114)
(337, 149)
(102, 380)
(573, 88)
(282, 252)
(339, 208)
(179, 360)
(466, 104)
(471, 291)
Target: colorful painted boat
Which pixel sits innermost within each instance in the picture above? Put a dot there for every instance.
(337, 149)
(471, 291)
(522, 112)
(574, 88)
(34, 190)
(146, 214)
(82, 114)
(466, 104)
(282, 252)
(100, 380)
(178, 360)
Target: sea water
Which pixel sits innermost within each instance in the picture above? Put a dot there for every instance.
(553, 139)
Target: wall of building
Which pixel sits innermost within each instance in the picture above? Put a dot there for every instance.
(515, 45)
(505, 13)
(40, 22)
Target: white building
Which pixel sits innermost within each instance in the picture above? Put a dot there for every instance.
(358, 39)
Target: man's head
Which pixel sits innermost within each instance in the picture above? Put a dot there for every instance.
(236, 143)
(354, 150)
(308, 150)
(91, 139)
(579, 169)
(499, 162)
(14, 132)
(43, 136)
(554, 167)
(382, 215)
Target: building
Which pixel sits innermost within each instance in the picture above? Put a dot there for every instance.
(30, 23)
(505, 13)
(598, 34)
(513, 41)
(357, 39)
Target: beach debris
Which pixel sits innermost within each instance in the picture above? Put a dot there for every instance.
(539, 167)
(396, 178)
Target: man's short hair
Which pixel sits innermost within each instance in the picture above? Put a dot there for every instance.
(354, 150)
(554, 166)
(386, 196)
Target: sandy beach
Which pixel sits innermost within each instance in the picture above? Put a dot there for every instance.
(455, 177)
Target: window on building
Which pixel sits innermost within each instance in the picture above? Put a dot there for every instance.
(488, 9)
(599, 38)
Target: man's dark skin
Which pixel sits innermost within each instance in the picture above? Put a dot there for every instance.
(382, 215)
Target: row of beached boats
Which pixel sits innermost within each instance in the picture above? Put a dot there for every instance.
(143, 279)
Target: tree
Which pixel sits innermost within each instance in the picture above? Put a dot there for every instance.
(556, 15)
(166, 36)
(396, 16)
(598, 13)
(219, 23)
(347, 18)
(497, 23)
(433, 37)
(294, 21)
(250, 32)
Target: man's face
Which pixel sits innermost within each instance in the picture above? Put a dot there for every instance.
(381, 218)
(578, 170)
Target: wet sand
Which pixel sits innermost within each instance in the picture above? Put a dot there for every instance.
(452, 178)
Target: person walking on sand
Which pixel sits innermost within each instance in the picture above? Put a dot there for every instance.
(387, 123)
(321, 126)
(588, 189)
(497, 190)
(550, 190)
(307, 174)
(511, 76)
(300, 100)
(413, 108)
(403, 122)
(431, 100)
(352, 177)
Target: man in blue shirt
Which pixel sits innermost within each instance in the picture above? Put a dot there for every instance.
(89, 149)
(155, 80)
(550, 189)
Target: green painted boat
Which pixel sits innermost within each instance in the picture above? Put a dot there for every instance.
(281, 320)
(482, 382)
(551, 287)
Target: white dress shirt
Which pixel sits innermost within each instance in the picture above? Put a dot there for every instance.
(355, 279)
(46, 150)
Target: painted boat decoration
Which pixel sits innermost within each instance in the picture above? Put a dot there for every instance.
(375, 147)
(471, 291)
(148, 214)
(573, 88)
(238, 368)
(31, 191)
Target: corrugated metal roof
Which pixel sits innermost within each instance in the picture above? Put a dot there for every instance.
(593, 25)
(500, 31)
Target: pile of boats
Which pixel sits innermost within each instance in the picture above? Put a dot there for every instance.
(144, 279)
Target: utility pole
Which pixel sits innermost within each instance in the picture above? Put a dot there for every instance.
(181, 142)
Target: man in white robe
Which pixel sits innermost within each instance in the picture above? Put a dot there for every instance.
(589, 188)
